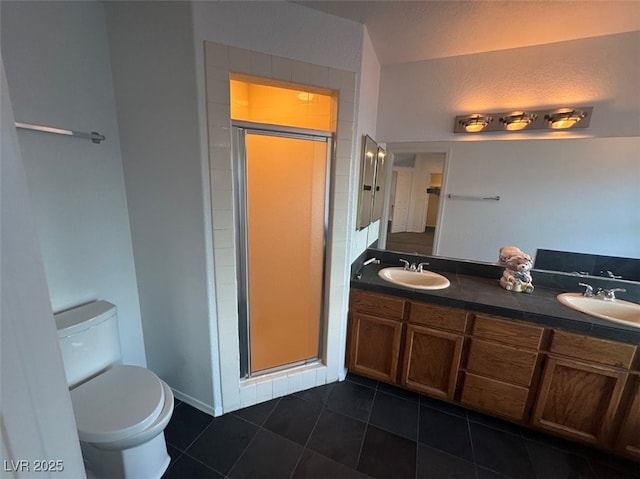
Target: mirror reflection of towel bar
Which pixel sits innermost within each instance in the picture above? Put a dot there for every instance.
(93, 136)
(467, 197)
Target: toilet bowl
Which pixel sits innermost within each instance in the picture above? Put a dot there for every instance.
(121, 411)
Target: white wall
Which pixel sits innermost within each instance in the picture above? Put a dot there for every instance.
(155, 88)
(36, 419)
(367, 122)
(58, 69)
(418, 101)
(281, 28)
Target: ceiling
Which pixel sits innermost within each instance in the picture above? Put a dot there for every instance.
(409, 31)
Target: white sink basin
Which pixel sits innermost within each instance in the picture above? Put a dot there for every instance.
(616, 310)
(414, 279)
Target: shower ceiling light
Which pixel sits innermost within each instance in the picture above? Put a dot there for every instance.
(564, 118)
(475, 123)
(549, 119)
(518, 120)
(305, 96)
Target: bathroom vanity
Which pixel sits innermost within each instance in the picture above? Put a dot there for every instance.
(521, 357)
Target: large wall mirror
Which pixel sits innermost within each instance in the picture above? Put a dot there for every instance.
(372, 183)
(576, 195)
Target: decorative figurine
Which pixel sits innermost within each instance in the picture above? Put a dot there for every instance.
(516, 276)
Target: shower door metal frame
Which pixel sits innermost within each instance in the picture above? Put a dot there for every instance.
(239, 130)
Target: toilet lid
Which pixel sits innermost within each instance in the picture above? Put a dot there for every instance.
(122, 401)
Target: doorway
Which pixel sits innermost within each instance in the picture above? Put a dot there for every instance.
(282, 178)
(415, 202)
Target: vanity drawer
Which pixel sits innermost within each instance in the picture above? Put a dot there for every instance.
(378, 304)
(439, 317)
(594, 350)
(501, 362)
(494, 396)
(506, 331)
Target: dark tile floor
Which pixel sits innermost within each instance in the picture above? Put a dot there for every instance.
(417, 243)
(361, 428)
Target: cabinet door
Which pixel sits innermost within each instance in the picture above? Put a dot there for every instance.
(579, 400)
(628, 441)
(431, 361)
(375, 346)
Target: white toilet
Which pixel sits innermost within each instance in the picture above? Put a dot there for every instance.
(121, 411)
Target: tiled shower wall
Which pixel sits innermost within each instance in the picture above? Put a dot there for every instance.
(220, 61)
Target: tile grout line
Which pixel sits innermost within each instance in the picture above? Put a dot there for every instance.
(366, 427)
(304, 447)
(260, 428)
(473, 449)
(195, 438)
(418, 436)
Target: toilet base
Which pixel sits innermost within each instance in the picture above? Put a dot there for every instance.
(149, 460)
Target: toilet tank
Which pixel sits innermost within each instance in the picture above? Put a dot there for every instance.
(89, 340)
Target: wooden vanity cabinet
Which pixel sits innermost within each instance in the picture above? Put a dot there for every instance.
(433, 349)
(572, 385)
(582, 386)
(628, 439)
(502, 366)
(375, 335)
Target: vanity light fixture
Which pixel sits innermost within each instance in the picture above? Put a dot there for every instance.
(475, 123)
(564, 118)
(518, 120)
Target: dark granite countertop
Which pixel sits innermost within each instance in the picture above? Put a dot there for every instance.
(483, 293)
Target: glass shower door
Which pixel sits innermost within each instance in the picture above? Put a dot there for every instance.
(285, 183)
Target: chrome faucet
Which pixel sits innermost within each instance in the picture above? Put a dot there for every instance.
(588, 292)
(409, 266)
(412, 266)
(609, 294)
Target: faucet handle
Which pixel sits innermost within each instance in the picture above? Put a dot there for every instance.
(609, 294)
(406, 263)
(580, 273)
(609, 274)
(421, 267)
(588, 292)
(612, 292)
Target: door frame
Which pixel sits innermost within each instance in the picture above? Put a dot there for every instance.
(239, 130)
(417, 148)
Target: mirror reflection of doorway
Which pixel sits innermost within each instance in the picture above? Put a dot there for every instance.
(415, 202)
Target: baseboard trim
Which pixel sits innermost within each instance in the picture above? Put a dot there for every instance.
(196, 403)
